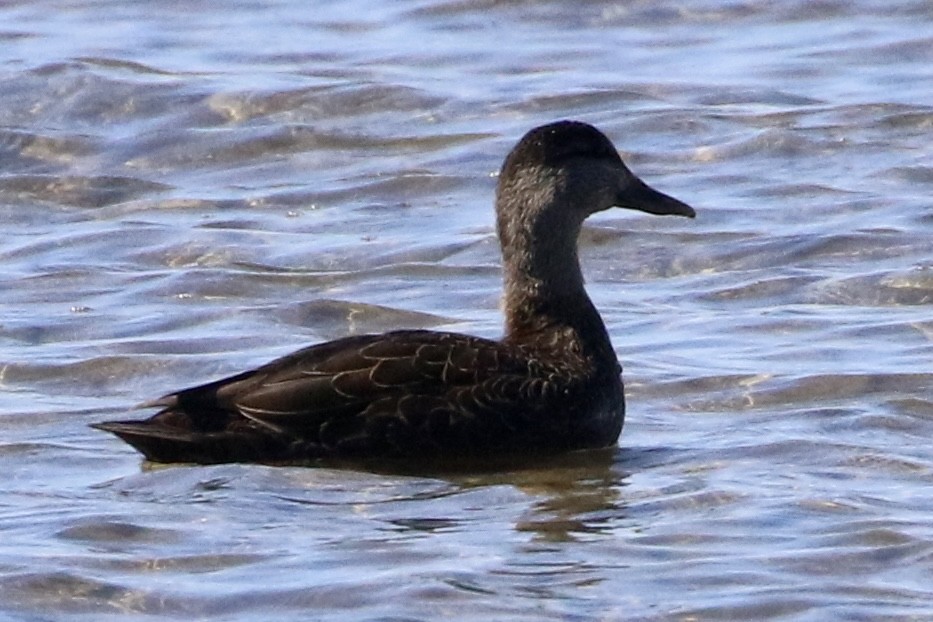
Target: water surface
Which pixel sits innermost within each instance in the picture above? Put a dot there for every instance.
(187, 191)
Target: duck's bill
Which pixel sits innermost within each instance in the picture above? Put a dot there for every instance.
(639, 195)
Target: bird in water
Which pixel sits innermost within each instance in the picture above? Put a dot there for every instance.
(552, 384)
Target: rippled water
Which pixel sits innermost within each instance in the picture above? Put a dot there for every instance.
(191, 189)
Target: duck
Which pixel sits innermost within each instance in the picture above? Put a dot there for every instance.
(552, 384)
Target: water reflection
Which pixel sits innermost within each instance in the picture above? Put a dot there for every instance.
(574, 495)
(569, 513)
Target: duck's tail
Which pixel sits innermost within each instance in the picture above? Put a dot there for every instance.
(159, 442)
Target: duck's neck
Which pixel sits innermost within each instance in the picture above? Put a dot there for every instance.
(545, 299)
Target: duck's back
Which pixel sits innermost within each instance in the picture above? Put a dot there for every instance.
(403, 394)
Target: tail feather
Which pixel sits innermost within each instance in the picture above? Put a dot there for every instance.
(156, 443)
(161, 443)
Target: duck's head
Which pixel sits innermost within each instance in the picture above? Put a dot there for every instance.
(569, 166)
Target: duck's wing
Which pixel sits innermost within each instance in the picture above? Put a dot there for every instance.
(400, 393)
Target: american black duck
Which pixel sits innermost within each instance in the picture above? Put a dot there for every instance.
(552, 384)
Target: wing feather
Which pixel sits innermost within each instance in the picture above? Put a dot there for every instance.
(402, 393)
(396, 390)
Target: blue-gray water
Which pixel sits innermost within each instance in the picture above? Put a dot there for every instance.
(190, 189)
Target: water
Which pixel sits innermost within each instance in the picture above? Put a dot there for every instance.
(191, 189)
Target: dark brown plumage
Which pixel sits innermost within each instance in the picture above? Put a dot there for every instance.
(552, 384)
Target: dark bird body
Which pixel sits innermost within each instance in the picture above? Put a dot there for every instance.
(552, 384)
